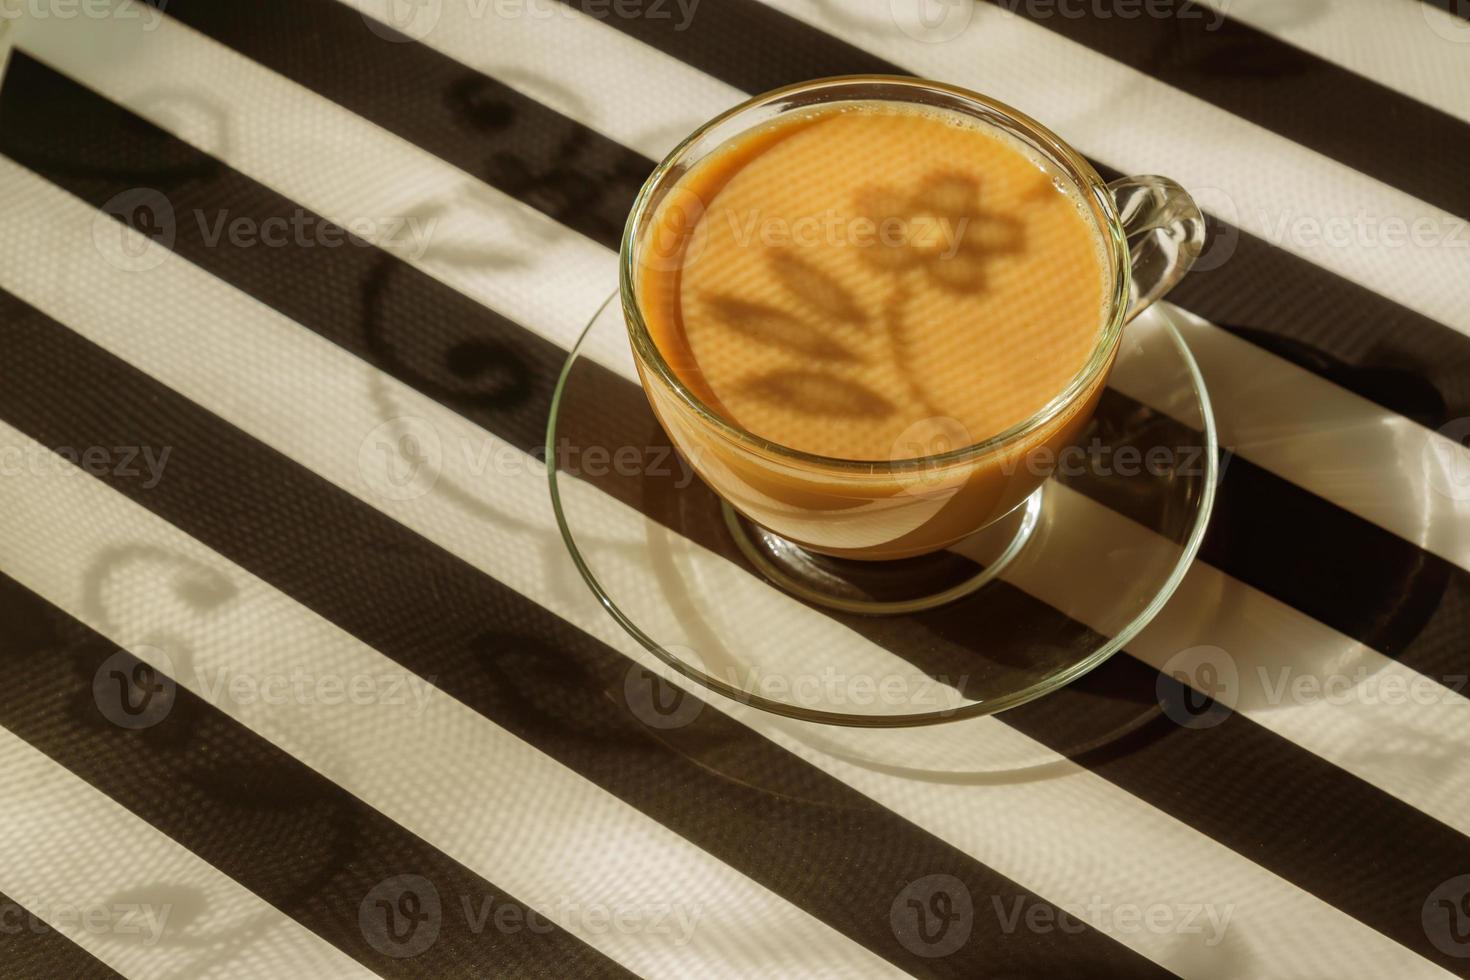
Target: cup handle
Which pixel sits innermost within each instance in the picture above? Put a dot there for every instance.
(1165, 231)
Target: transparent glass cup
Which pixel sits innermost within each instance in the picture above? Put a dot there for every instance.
(873, 510)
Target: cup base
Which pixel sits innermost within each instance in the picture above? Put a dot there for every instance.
(885, 588)
(1032, 602)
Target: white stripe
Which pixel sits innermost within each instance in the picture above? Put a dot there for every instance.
(75, 859)
(550, 280)
(1071, 839)
(1408, 45)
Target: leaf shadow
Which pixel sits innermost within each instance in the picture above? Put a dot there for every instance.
(818, 290)
(773, 326)
(819, 393)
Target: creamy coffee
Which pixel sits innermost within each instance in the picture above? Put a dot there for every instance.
(875, 281)
(861, 287)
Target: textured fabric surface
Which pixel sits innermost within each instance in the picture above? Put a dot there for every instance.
(301, 674)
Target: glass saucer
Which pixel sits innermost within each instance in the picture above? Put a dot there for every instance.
(1079, 569)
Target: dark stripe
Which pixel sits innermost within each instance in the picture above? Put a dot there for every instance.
(1356, 121)
(31, 948)
(284, 831)
(805, 835)
(937, 641)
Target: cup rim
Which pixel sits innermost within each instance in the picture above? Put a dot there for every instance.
(1080, 170)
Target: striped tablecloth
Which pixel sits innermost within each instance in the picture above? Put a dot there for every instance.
(274, 708)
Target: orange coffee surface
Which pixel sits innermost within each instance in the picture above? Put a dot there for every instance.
(875, 282)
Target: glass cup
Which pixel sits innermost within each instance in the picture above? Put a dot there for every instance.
(935, 495)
